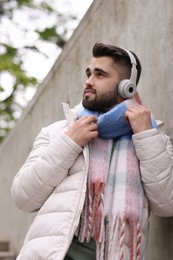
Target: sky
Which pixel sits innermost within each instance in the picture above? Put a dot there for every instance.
(35, 64)
(78, 7)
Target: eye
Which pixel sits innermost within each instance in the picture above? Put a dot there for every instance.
(88, 74)
(99, 74)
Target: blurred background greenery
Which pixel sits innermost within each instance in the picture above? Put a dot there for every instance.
(30, 28)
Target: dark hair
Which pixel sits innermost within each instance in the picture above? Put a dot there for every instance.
(120, 57)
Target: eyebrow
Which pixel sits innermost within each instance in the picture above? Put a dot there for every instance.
(98, 70)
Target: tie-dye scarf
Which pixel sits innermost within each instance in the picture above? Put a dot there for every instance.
(114, 190)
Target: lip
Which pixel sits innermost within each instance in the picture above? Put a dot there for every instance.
(89, 91)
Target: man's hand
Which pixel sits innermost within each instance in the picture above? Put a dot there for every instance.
(83, 130)
(139, 118)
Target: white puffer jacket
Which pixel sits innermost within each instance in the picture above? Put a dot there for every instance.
(53, 181)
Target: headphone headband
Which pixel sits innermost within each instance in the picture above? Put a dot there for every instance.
(127, 87)
(133, 75)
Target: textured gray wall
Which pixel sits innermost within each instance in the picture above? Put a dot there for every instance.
(144, 26)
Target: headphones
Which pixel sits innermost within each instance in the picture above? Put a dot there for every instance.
(127, 87)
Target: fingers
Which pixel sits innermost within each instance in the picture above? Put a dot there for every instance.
(87, 124)
(139, 118)
(137, 111)
(83, 130)
(89, 119)
(138, 108)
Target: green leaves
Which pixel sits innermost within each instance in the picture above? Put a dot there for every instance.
(11, 64)
(50, 34)
(54, 29)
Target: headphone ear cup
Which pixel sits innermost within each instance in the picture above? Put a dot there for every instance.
(126, 89)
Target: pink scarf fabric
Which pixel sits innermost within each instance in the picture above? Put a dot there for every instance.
(114, 199)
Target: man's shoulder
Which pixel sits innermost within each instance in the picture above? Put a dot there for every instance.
(60, 123)
(54, 128)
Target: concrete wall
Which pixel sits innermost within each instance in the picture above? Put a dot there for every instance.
(144, 26)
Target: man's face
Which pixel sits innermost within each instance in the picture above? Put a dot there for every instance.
(100, 89)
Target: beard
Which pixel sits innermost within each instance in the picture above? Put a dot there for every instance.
(102, 102)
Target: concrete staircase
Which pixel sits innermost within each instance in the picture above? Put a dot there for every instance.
(5, 253)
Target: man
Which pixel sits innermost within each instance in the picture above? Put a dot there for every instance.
(95, 176)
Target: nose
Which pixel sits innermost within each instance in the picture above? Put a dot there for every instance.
(89, 81)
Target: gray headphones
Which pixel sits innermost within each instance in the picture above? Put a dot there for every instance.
(127, 87)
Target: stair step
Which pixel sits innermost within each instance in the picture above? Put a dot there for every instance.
(7, 256)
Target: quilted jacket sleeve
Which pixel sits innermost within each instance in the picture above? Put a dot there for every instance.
(45, 168)
(155, 153)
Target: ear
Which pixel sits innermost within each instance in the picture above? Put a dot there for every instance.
(126, 88)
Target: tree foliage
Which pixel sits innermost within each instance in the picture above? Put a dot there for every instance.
(47, 25)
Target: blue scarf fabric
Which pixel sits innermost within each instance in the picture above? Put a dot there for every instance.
(112, 124)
